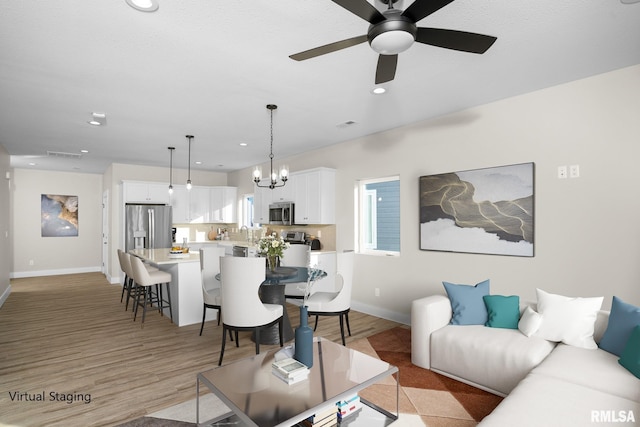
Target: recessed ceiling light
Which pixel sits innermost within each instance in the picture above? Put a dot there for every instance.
(243, 144)
(32, 164)
(84, 151)
(378, 91)
(143, 5)
(98, 119)
(198, 163)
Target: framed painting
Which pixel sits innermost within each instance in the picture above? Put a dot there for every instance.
(59, 215)
(484, 211)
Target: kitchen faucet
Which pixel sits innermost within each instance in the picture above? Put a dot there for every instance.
(246, 232)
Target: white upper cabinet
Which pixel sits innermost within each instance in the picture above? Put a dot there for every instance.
(315, 201)
(145, 192)
(180, 204)
(223, 204)
(261, 199)
(203, 204)
(199, 205)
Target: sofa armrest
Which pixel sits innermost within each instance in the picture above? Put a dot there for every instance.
(427, 315)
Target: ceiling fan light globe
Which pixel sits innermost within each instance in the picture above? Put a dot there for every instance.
(392, 42)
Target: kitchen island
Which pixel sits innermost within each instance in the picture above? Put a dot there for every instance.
(186, 288)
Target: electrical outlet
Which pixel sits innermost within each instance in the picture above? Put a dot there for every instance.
(377, 292)
(31, 262)
(562, 172)
(574, 171)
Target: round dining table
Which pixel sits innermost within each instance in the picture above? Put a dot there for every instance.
(272, 292)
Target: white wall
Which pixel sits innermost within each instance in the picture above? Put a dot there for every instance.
(587, 237)
(55, 255)
(5, 225)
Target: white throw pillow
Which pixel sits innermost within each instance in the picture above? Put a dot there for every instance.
(530, 321)
(568, 320)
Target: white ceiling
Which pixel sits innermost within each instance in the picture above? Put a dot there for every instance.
(208, 68)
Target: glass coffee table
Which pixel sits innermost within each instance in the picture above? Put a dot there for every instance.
(257, 397)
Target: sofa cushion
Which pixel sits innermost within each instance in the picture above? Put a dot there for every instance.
(596, 369)
(530, 322)
(568, 320)
(467, 303)
(540, 400)
(630, 357)
(502, 311)
(623, 318)
(491, 357)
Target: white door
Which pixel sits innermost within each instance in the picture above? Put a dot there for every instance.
(105, 232)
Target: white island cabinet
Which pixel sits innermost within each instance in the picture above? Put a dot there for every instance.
(186, 288)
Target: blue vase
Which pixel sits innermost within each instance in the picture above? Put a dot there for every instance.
(304, 340)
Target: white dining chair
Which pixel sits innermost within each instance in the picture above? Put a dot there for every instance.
(209, 267)
(335, 303)
(295, 256)
(240, 279)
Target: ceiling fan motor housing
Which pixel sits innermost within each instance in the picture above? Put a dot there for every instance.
(393, 35)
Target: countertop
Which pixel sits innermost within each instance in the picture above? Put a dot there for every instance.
(161, 256)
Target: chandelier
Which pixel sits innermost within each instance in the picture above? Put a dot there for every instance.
(284, 173)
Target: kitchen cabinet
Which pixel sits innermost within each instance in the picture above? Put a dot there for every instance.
(145, 192)
(180, 204)
(223, 204)
(199, 205)
(315, 196)
(203, 204)
(261, 199)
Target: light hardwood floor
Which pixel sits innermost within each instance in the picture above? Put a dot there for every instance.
(71, 335)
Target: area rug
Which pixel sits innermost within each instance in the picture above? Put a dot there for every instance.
(426, 398)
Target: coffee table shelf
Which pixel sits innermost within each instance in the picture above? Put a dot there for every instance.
(257, 398)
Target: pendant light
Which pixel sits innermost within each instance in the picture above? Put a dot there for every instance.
(273, 176)
(189, 137)
(171, 169)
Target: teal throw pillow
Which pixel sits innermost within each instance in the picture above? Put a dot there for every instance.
(502, 311)
(622, 319)
(630, 357)
(467, 304)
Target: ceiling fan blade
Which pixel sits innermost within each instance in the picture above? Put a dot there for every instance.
(422, 8)
(456, 40)
(328, 48)
(386, 70)
(363, 9)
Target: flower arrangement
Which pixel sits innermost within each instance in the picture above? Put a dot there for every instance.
(272, 247)
(314, 273)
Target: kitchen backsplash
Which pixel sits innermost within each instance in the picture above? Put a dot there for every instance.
(200, 232)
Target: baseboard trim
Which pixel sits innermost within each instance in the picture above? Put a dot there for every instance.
(5, 295)
(403, 318)
(22, 274)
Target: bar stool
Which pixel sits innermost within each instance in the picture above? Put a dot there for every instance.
(125, 266)
(144, 281)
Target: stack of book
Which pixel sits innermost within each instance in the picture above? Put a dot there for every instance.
(348, 407)
(326, 417)
(290, 370)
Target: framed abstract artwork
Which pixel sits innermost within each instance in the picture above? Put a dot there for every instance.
(59, 215)
(485, 211)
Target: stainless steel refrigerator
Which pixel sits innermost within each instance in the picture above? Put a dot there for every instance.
(148, 226)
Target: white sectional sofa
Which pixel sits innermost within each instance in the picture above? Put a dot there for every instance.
(546, 384)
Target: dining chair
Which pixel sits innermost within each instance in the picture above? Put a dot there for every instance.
(295, 256)
(145, 281)
(209, 267)
(240, 279)
(335, 303)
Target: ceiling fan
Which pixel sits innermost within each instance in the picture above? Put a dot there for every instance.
(394, 31)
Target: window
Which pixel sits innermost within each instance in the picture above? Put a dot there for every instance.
(379, 216)
(246, 209)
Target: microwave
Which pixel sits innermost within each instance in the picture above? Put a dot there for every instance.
(281, 213)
